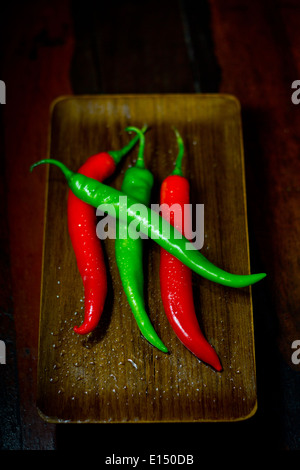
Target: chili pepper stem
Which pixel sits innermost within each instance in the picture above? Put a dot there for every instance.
(178, 164)
(67, 173)
(117, 155)
(140, 163)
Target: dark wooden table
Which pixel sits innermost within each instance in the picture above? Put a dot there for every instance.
(248, 49)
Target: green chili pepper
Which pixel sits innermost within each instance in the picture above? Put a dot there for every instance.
(137, 183)
(95, 193)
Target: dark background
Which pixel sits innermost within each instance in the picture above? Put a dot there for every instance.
(250, 49)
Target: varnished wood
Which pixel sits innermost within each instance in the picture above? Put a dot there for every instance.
(36, 49)
(271, 123)
(256, 47)
(113, 374)
(265, 38)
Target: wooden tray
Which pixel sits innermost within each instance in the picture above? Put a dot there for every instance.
(114, 374)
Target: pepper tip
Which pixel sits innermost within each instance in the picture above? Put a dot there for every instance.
(80, 330)
(215, 363)
(257, 277)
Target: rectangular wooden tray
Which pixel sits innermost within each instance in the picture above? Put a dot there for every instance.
(114, 374)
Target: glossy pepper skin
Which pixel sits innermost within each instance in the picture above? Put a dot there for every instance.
(152, 225)
(175, 277)
(86, 245)
(137, 183)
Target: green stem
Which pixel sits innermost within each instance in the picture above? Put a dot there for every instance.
(117, 155)
(140, 163)
(178, 164)
(67, 173)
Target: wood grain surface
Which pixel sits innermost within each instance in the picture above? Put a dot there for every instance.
(248, 49)
(114, 374)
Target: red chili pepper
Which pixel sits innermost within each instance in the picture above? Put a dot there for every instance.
(175, 277)
(87, 246)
